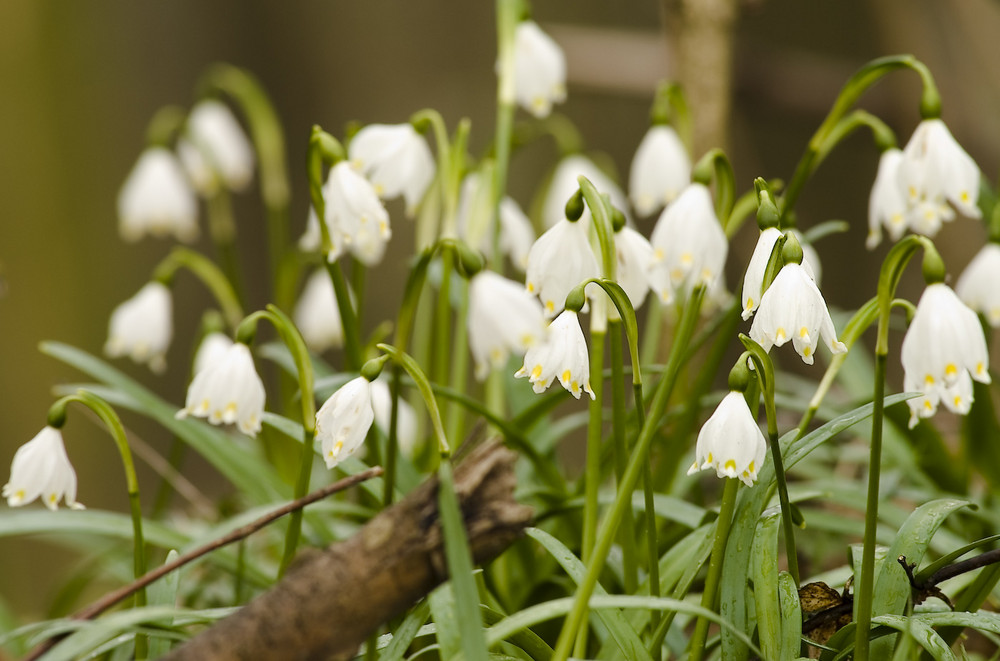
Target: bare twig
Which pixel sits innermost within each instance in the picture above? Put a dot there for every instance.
(112, 598)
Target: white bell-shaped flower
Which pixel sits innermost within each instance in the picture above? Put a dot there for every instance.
(223, 145)
(564, 184)
(212, 349)
(753, 279)
(635, 258)
(396, 159)
(355, 218)
(142, 327)
(979, 284)
(41, 469)
(316, 314)
(228, 391)
(503, 317)
(563, 355)
(944, 341)
(886, 204)
(793, 309)
(157, 199)
(731, 442)
(935, 170)
(661, 169)
(342, 423)
(406, 417)
(689, 245)
(539, 70)
(559, 260)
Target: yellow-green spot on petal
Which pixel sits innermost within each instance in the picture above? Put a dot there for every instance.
(803, 332)
(950, 369)
(928, 405)
(749, 305)
(730, 465)
(709, 458)
(896, 219)
(566, 375)
(780, 334)
(958, 401)
(964, 196)
(550, 307)
(536, 371)
(750, 468)
(929, 380)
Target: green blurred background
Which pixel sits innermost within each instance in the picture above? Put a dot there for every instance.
(80, 80)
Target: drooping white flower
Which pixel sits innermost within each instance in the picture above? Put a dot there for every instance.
(979, 284)
(316, 314)
(564, 184)
(396, 159)
(661, 169)
(355, 218)
(212, 349)
(157, 199)
(224, 148)
(753, 279)
(689, 245)
(933, 171)
(886, 204)
(559, 260)
(943, 343)
(142, 326)
(342, 423)
(793, 309)
(41, 469)
(563, 355)
(635, 258)
(228, 391)
(539, 70)
(731, 442)
(503, 317)
(406, 417)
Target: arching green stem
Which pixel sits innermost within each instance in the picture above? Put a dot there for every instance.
(889, 276)
(406, 361)
(291, 338)
(765, 376)
(210, 275)
(107, 415)
(864, 78)
(269, 143)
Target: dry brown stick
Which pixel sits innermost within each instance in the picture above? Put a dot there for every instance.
(112, 598)
(330, 601)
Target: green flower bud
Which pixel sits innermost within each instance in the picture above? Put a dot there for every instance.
(575, 206)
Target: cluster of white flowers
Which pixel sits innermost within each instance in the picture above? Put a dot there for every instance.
(158, 196)
(917, 188)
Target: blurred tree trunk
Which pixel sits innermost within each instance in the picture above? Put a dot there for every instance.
(701, 34)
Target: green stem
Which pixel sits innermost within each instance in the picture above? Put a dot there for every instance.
(867, 583)
(442, 319)
(392, 443)
(507, 13)
(765, 377)
(635, 468)
(222, 229)
(459, 363)
(864, 78)
(291, 338)
(210, 275)
(592, 468)
(57, 418)
(708, 597)
(618, 415)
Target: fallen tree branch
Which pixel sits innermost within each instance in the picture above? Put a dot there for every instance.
(331, 601)
(112, 598)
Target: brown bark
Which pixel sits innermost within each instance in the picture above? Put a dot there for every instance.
(331, 601)
(702, 32)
